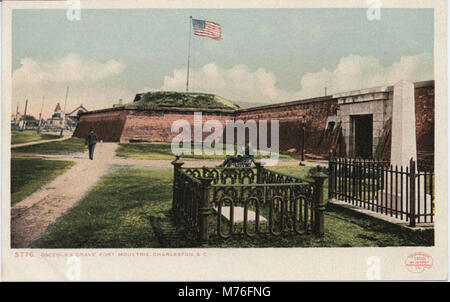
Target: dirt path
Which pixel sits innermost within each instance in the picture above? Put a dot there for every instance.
(31, 216)
(198, 163)
(158, 162)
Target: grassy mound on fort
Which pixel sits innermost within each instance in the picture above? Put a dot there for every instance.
(156, 99)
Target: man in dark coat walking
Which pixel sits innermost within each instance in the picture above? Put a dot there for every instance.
(91, 140)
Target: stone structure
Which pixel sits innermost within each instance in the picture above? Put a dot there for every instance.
(402, 152)
(363, 114)
(355, 123)
(403, 125)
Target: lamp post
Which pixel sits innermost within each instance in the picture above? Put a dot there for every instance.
(303, 141)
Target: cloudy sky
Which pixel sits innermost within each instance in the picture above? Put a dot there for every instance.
(265, 56)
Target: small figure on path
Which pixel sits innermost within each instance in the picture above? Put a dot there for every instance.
(91, 140)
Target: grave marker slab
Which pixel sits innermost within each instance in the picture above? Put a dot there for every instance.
(239, 215)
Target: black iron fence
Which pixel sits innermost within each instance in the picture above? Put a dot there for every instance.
(245, 201)
(401, 192)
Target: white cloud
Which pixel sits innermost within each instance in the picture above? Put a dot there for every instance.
(71, 68)
(87, 79)
(357, 72)
(90, 84)
(237, 83)
(353, 72)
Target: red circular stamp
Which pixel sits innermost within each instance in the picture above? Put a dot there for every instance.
(418, 262)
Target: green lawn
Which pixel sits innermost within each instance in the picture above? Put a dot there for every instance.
(164, 151)
(117, 212)
(130, 208)
(30, 174)
(300, 172)
(19, 137)
(67, 146)
(296, 171)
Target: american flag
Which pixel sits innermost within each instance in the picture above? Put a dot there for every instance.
(207, 29)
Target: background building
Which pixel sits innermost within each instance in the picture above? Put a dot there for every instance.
(70, 120)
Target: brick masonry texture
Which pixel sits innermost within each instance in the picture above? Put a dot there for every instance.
(155, 126)
(127, 125)
(290, 116)
(107, 124)
(424, 99)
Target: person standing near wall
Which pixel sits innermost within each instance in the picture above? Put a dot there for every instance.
(91, 140)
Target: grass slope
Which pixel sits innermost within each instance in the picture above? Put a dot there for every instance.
(182, 99)
(130, 208)
(30, 174)
(71, 145)
(19, 137)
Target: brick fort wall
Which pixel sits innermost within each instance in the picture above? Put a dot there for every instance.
(127, 125)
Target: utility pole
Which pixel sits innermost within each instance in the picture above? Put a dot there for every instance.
(16, 121)
(64, 112)
(25, 115)
(40, 115)
(325, 91)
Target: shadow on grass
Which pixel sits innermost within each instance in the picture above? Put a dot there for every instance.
(20, 137)
(164, 151)
(68, 146)
(30, 174)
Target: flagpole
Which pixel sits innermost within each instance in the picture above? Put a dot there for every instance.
(189, 53)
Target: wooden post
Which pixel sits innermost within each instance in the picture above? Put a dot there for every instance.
(319, 205)
(177, 163)
(412, 193)
(205, 210)
(16, 119)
